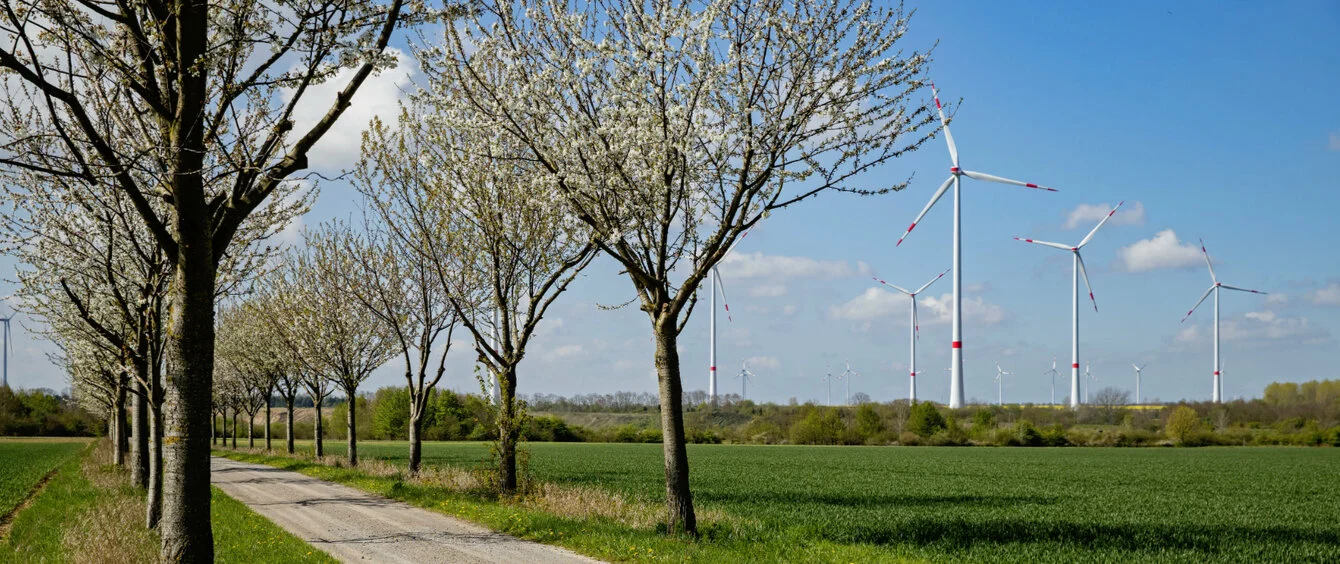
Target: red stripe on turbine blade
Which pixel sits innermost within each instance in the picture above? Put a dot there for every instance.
(1030, 185)
(958, 344)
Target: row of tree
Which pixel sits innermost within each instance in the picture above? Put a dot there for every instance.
(152, 146)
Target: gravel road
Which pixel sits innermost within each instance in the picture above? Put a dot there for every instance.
(354, 526)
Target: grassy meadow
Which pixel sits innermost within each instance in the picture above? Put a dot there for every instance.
(23, 463)
(830, 504)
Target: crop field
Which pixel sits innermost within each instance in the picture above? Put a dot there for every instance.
(977, 504)
(24, 462)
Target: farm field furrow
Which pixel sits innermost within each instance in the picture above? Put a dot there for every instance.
(979, 504)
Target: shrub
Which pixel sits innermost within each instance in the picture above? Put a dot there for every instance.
(868, 423)
(1027, 434)
(925, 419)
(1182, 425)
(819, 427)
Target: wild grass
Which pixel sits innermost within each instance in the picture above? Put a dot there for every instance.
(845, 504)
(24, 463)
(90, 514)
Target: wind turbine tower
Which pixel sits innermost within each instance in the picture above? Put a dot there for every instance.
(915, 330)
(1000, 384)
(1077, 271)
(715, 285)
(1218, 366)
(828, 379)
(6, 348)
(956, 393)
(847, 375)
(1053, 374)
(1138, 370)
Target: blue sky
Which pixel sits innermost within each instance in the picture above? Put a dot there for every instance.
(1208, 120)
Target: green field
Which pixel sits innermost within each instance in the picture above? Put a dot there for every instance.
(24, 463)
(956, 504)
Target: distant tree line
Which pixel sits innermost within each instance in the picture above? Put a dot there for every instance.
(44, 413)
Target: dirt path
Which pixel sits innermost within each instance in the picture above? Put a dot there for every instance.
(352, 525)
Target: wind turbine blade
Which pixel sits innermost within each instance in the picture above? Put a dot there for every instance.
(1045, 243)
(895, 287)
(721, 286)
(1202, 300)
(736, 244)
(928, 284)
(994, 178)
(935, 198)
(1207, 261)
(1100, 225)
(1085, 274)
(1227, 287)
(949, 138)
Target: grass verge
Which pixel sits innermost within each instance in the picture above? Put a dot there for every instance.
(89, 513)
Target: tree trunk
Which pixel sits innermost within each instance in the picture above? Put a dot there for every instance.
(251, 430)
(213, 429)
(679, 500)
(353, 434)
(415, 441)
(267, 423)
(234, 429)
(288, 427)
(507, 432)
(316, 431)
(118, 435)
(153, 510)
(139, 451)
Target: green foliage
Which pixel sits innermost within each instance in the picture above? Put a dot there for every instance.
(24, 463)
(925, 419)
(983, 420)
(390, 414)
(337, 423)
(868, 422)
(1183, 424)
(28, 413)
(821, 426)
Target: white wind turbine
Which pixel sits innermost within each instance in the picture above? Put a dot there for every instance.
(1000, 384)
(6, 348)
(847, 375)
(1078, 271)
(915, 330)
(1053, 374)
(956, 346)
(1138, 370)
(1091, 378)
(714, 285)
(745, 375)
(1218, 366)
(828, 379)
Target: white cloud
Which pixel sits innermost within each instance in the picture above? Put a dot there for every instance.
(1330, 295)
(1088, 215)
(1258, 327)
(789, 309)
(768, 291)
(777, 267)
(564, 352)
(1334, 145)
(876, 303)
(377, 97)
(1164, 250)
(1279, 299)
(764, 362)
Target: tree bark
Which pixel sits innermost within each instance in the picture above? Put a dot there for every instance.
(415, 442)
(234, 428)
(288, 426)
(353, 434)
(213, 429)
(251, 430)
(508, 431)
(316, 431)
(678, 497)
(118, 433)
(153, 509)
(267, 423)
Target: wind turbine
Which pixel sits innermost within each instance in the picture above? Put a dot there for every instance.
(912, 297)
(1138, 370)
(828, 379)
(1092, 379)
(6, 348)
(847, 375)
(714, 285)
(1218, 380)
(744, 377)
(956, 174)
(1077, 271)
(1053, 374)
(1000, 384)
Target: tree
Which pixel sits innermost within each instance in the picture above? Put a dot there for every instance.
(672, 128)
(201, 75)
(332, 338)
(382, 271)
(925, 419)
(1110, 401)
(498, 239)
(868, 422)
(1182, 424)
